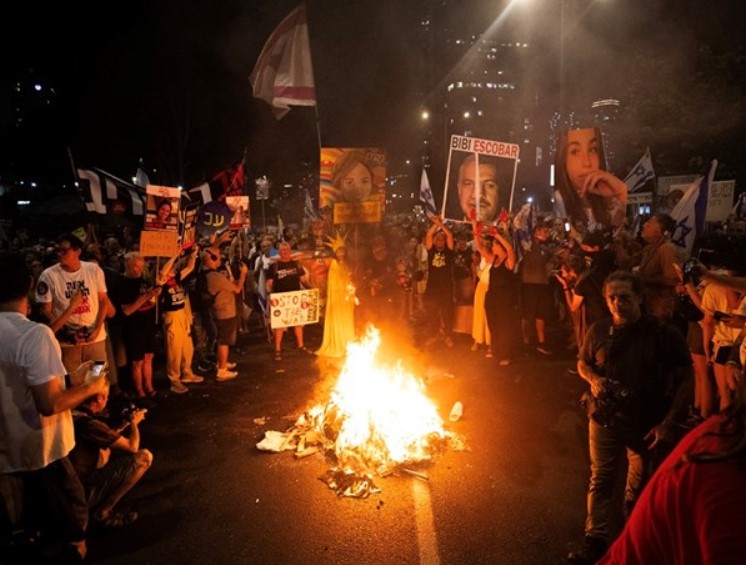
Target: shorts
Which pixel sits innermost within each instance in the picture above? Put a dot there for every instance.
(537, 301)
(227, 331)
(139, 339)
(694, 339)
(721, 354)
(101, 483)
(54, 501)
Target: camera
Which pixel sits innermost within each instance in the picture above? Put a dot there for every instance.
(613, 398)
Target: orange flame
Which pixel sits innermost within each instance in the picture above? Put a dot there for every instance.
(378, 416)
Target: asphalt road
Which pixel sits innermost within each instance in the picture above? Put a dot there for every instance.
(516, 495)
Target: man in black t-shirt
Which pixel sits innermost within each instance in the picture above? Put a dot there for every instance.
(439, 292)
(286, 275)
(639, 371)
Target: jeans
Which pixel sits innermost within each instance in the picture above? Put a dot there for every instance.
(606, 448)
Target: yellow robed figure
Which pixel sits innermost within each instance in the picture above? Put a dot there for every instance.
(339, 320)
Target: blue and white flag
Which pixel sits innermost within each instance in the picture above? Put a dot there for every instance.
(309, 208)
(689, 212)
(641, 173)
(426, 195)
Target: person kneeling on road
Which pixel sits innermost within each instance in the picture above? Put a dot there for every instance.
(107, 477)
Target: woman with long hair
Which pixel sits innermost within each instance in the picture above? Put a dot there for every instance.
(585, 190)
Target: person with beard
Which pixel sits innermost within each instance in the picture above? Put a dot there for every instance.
(640, 375)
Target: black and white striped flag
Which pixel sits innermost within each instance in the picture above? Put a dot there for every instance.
(104, 193)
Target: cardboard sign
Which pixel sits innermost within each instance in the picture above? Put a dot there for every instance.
(296, 308)
(159, 243)
(368, 212)
(637, 198)
(720, 200)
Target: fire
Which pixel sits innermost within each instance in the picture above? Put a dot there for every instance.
(378, 417)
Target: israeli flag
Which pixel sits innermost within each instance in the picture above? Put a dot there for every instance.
(689, 212)
(426, 195)
(641, 173)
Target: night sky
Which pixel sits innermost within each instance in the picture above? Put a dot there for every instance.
(167, 80)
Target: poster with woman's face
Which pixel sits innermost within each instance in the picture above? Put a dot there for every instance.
(162, 208)
(353, 184)
(480, 178)
(585, 191)
(239, 207)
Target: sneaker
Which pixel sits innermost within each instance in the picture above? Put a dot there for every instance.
(230, 365)
(206, 367)
(192, 379)
(590, 551)
(543, 349)
(178, 388)
(225, 375)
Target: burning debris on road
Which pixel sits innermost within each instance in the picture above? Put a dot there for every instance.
(376, 420)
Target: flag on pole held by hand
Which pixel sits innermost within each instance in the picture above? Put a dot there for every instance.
(426, 195)
(689, 212)
(641, 173)
(104, 193)
(229, 182)
(283, 74)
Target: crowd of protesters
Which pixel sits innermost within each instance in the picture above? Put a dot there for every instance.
(101, 300)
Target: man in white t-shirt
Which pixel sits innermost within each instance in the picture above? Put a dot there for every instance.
(36, 428)
(73, 297)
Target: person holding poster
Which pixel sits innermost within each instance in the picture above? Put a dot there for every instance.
(284, 276)
(585, 190)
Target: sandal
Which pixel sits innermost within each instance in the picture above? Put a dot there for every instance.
(116, 519)
(278, 356)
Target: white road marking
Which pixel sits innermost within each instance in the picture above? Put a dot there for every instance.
(423, 513)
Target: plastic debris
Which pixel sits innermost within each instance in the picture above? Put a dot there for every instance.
(456, 412)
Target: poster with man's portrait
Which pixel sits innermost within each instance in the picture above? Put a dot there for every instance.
(353, 184)
(239, 207)
(188, 216)
(162, 208)
(480, 178)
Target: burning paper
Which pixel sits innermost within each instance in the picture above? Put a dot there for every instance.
(377, 419)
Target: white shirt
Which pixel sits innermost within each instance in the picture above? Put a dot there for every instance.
(29, 356)
(57, 285)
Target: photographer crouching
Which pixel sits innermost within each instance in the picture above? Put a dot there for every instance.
(108, 463)
(640, 373)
